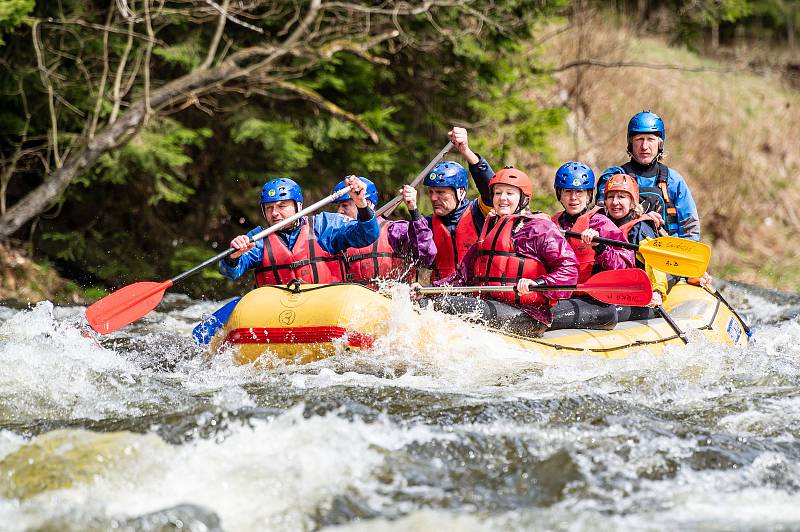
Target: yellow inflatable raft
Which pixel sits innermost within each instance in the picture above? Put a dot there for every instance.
(313, 321)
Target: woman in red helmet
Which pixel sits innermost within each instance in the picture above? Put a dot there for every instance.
(514, 248)
(622, 206)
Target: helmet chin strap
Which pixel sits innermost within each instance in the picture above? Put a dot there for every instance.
(461, 193)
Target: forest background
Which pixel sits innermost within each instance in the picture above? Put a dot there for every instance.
(136, 134)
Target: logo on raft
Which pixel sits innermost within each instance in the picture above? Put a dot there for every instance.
(734, 330)
(286, 317)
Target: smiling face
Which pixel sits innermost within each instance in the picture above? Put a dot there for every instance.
(574, 200)
(443, 200)
(505, 199)
(618, 204)
(278, 211)
(644, 147)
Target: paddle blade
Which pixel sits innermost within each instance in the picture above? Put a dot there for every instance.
(677, 256)
(629, 287)
(125, 306)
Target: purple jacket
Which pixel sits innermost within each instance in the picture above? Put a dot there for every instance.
(412, 240)
(538, 239)
(607, 257)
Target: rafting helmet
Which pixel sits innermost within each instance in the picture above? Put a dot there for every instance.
(646, 122)
(515, 178)
(448, 174)
(575, 176)
(372, 191)
(281, 189)
(623, 182)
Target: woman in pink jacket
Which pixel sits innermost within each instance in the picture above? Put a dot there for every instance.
(514, 248)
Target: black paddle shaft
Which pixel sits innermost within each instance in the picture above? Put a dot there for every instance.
(610, 242)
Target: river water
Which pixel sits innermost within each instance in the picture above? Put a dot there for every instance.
(139, 431)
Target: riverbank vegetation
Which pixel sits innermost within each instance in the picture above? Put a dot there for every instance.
(136, 134)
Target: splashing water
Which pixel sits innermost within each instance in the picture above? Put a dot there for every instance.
(140, 431)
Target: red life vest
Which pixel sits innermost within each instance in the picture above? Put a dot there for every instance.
(306, 260)
(497, 262)
(451, 247)
(583, 252)
(627, 226)
(375, 260)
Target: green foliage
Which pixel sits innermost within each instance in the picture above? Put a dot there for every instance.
(279, 141)
(203, 283)
(12, 14)
(157, 154)
(188, 54)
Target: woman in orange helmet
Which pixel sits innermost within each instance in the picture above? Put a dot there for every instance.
(622, 206)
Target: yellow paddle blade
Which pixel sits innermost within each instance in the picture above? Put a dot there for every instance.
(677, 256)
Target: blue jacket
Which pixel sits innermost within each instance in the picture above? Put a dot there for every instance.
(335, 232)
(688, 225)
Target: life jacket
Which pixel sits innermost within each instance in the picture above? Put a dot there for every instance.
(583, 252)
(497, 262)
(451, 247)
(656, 199)
(627, 226)
(306, 260)
(378, 259)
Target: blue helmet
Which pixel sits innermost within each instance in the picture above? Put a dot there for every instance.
(281, 189)
(646, 122)
(372, 190)
(447, 174)
(574, 175)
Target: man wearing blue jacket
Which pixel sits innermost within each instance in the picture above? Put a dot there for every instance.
(308, 248)
(662, 190)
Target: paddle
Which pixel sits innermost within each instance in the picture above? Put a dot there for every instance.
(131, 302)
(672, 324)
(389, 207)
(204, 331)
(670, 254)
(618, 287)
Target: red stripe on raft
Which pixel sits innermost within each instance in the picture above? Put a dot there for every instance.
(298, 335)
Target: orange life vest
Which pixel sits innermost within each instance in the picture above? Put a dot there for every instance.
(306, 260)
(497, 262)
(451, 247)
(375, 260)
(583, 252)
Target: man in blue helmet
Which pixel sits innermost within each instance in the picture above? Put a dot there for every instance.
(400, 247)
(456, 221)
(308, 248)
(662, 190)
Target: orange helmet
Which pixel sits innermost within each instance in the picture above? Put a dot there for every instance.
(516, 178)
(624, 182)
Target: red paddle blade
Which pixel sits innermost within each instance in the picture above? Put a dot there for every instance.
(629, 287)
(125, 306)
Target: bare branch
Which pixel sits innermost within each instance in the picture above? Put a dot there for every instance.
(45, 76)
(630, 64)
(223, 11)
(101, 91)
(327, 105)
(120, 71)
(212, 48)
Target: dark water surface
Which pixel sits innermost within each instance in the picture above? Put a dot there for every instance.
(139, 432)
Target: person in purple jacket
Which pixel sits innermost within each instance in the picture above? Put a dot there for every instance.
(574, 186)
(401, 247)
(514, 248)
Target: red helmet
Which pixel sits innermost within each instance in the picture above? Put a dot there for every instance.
(515, 178)
(623, 182)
